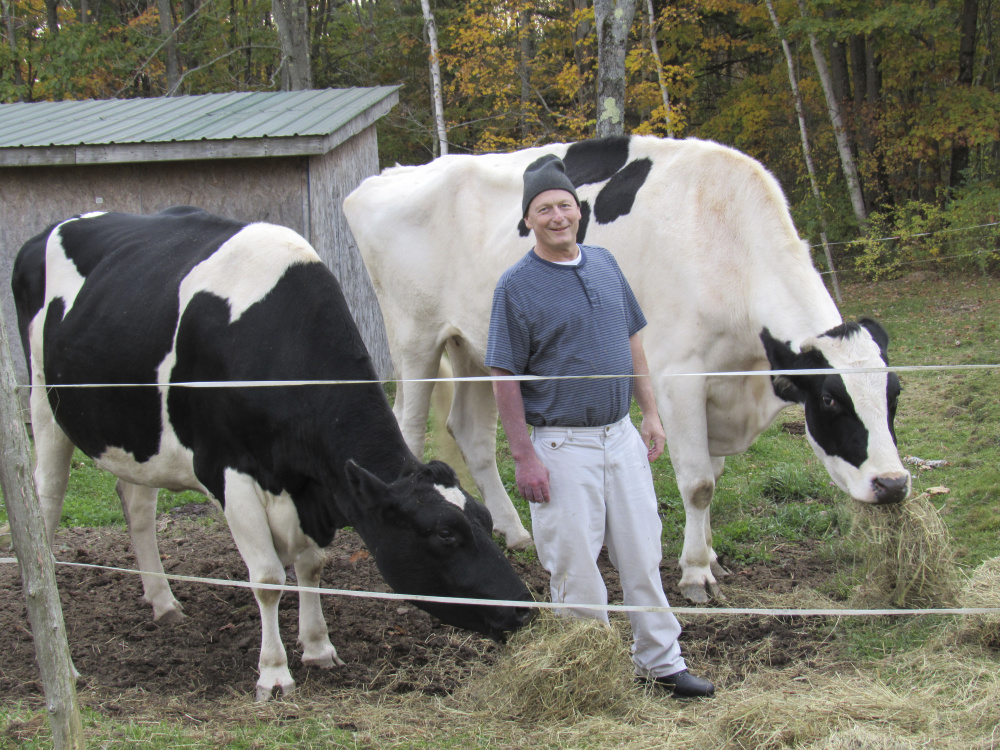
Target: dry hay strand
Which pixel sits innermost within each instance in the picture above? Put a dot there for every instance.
(779, 710)
(982, 590)
(559, 669)
(908, 555)
(863, 738)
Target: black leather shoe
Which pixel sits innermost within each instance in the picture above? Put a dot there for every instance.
(682, 684)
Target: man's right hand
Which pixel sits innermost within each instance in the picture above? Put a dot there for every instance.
(532, 479)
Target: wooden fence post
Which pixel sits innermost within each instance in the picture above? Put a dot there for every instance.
(36, 563)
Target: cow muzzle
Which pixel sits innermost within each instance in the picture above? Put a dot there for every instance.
(893, 489)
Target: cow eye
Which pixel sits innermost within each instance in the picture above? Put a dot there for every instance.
(829, 402)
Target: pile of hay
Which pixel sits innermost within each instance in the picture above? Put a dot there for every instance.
(560, 669)
(863, 738)
(908, 554)
(982, 590)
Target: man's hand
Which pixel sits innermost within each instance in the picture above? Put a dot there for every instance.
(653, 437)
(532, 479)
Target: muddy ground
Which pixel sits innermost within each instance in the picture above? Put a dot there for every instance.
(126, 661)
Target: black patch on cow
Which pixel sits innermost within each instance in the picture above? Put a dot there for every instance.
(283, 436)
(831, 419)
(617, 197)
(113, 253)
(28, 285)
(595, 160)
(581, 232)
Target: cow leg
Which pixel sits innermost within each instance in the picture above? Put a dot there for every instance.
(682, 406)
(317, 651)
(414, 408)
(53, 454)
(139, 507)
(718, 464)
(248, 523)
(472, 421)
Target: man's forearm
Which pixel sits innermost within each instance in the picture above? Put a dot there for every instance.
(510, 404)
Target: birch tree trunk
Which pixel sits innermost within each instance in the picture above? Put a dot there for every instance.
(806, 151)
(36, 563)
(614, 20)
(664, 94)
(292, 19)
(436, 94)
(837, 120)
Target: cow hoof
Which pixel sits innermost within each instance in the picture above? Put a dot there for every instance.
(718, 570)
(324, 660)
(266, 693)
(519, 542)
(170, 617)
(695, 592)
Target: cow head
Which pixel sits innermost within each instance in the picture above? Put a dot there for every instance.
(430, 538)
(849, 417)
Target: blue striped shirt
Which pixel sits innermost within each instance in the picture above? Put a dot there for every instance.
(552, 319)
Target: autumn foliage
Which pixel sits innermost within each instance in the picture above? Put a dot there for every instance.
(918, 86)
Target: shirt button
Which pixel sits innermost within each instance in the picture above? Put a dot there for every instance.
(553, 444)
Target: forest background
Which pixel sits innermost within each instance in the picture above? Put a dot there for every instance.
(880, 118)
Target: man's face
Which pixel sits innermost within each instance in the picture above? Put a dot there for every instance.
(554, 217)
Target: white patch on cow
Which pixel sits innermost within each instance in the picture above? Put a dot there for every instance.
(453, 495)
(247, 266)
(172, 467)
(62, 279)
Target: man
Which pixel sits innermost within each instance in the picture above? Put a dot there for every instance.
(564, 309)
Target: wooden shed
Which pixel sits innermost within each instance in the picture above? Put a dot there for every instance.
(289, 158)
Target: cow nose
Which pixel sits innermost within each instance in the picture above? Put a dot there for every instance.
(889, 490)
(525, 615)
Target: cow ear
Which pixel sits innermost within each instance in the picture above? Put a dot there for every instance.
(365, 487)
(878, 334)
(782, 357)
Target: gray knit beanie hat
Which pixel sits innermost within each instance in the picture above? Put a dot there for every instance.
(546, 173)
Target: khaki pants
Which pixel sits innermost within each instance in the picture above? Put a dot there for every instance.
(602, 493)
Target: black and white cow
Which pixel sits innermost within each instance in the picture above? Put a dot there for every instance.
(704, 236)
(185, 296)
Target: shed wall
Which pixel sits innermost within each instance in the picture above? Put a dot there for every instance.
(332, 176)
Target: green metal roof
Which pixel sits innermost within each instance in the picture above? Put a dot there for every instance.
(300, 120)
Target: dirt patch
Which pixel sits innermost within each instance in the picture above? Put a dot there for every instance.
(127, 661)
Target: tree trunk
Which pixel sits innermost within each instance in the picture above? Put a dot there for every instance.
(966, 52)
(840, 72)
(614, 21)
(170, 45)
(52, 16)
(436, 94)
(580, 33)
(292, 19)
(36, 563)
(837, 120)
(8, 18)
(524, 67)
(806, 151)
(655, 48)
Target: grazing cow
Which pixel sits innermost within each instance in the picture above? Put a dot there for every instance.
(704, 236)
(185, 296)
